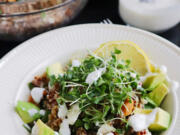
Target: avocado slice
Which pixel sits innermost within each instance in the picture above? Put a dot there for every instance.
(27, 111)
(159, 93)
(153, 81)
(151, 103)
(42, 129)
(162, 120)
(54, 69)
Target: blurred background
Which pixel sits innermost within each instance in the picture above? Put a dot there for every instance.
(79, 12)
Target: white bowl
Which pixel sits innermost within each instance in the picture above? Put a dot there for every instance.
(19, 66)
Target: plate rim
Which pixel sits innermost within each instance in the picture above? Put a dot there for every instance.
(22, 45)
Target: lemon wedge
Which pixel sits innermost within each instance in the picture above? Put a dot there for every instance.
(129, 51)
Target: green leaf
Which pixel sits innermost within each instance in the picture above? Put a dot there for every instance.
(106, 110)
(119, 131)
(53, 80)
(86, 126)
(45, 117)
(116, 51)
(31, 85)
(78, 123)
(98, 99)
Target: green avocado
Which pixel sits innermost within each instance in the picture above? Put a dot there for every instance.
(27, 111)
(54, 69)
(153, 81)
(42, 129)
(158, 94)
(162, 120)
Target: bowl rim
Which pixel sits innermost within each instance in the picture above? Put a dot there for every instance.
(33, 12)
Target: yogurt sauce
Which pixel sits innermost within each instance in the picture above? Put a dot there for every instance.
(110, 133)
(140, 122)
(62, 111)
(143, 78)
(76, 63)
(32, 112)
(95, 75)
(174, 85)
(73, 114)
(105, 129)
(64, 128)
(35, 130)
(37, 94)
(42, 112)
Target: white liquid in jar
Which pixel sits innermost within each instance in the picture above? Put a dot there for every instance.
(153, 15)
(150, 4)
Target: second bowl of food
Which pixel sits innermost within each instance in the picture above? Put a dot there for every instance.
(20, 20)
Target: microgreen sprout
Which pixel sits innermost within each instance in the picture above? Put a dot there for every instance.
(102, 100)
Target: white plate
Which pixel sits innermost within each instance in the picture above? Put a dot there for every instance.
(20, 65)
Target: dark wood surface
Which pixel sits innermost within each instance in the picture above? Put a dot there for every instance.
(94, 12)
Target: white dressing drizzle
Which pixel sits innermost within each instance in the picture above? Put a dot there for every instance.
(73, 114)
(35, 130)
(76, 63)
(110, 133)
(148, 132)
(56, 133)
(140, 122)
(174, 85)
(37, 94)
(105, 129)
(133, 75)
(32, 112)
(64, 128)
(163, 69)
(62, 111)
(95, 75)
(143, 78)
(42, 112)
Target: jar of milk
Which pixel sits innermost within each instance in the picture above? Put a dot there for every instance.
(152, 15)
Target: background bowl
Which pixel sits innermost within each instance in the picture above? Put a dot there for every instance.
(32, 57)
(24, 19)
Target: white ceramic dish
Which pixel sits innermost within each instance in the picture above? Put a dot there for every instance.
(19, 66)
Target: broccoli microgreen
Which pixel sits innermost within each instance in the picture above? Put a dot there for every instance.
(101, 101)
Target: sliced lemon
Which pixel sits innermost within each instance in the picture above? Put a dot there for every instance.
(129, 51)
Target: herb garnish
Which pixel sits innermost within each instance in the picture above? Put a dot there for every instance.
(100, 102)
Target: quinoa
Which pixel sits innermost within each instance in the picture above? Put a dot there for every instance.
(53, 120)
(81, 131)
(41, 81)
(49, 100)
